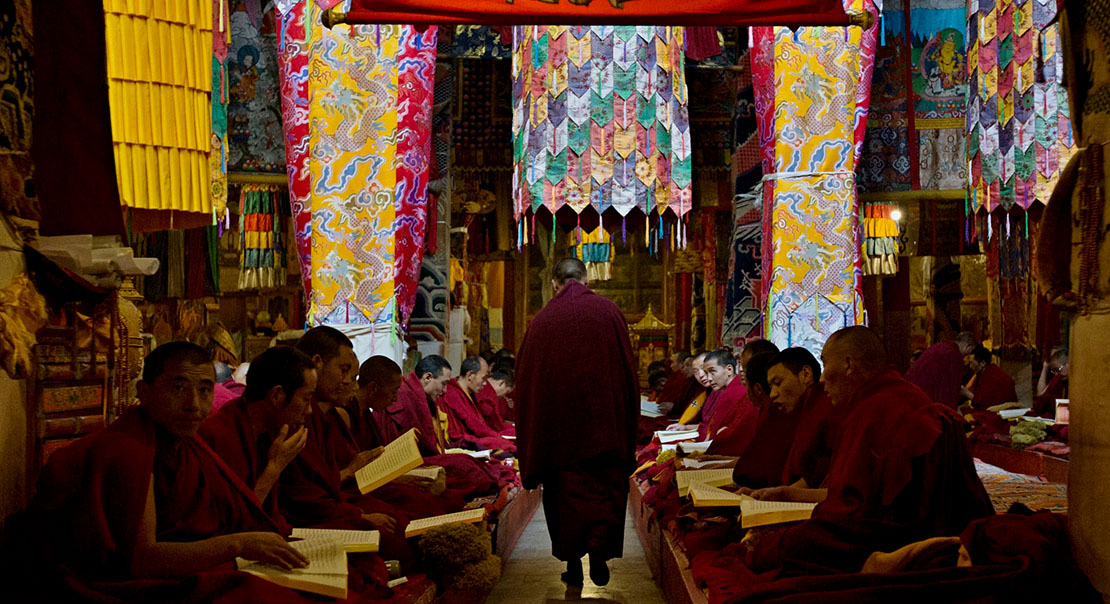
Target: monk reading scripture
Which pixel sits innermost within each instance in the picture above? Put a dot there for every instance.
(144, 510)
(258, 434)
(901, 470)
(491, 399)
(415, 406)
(466, 427)
(734, 439)
(990, 385)
(940, 370)
(1052, 384)
(794, 376)
(577, 413)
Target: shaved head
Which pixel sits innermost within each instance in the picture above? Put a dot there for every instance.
(569, 269)
(851, 356)
(378, 369)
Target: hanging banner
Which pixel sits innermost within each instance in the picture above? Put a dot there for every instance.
(789, 13)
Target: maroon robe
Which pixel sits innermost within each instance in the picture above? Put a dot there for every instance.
(223, 394)
(578, 408)
(310, 495)
(341, 447)
(465, 426)
(679, 390)
(90, 502)
(763, 457)
(1045, 404)
(736, 436)
(489, 405)
(230, 434)
(901, 472)
(731, 406)
(993, 387)
(811, 453)
(412, 409)
(939, 373)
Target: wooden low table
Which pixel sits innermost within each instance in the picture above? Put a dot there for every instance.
(1052, 469)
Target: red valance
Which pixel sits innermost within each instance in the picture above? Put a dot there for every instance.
(789, 13)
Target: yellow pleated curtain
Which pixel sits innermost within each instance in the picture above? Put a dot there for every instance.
(159, 87)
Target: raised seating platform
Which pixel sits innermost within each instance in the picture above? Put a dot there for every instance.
(1052, 469)
(666, 558)
(512, 520)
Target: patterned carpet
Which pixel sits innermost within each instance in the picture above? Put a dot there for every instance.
(1007, 488)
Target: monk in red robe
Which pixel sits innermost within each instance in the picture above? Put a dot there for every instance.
(578, 407)
(259, 434)
(681, 386)
(491, 400)
(146, 511)
(465, 426)
(990, 385)
(766, 450)
(901, 470)
(940, 370)
(310, 491)
(733, 439)
(794, 376)
(1052, 384)
(731, 406)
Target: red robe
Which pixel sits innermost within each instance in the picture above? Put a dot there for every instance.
(764, 450)
(939, 373)
(90, 501)
(229, 433)
(993, 387)
(901, 472)
(1045, 404)
(340, 447)
(811, 453)
(412, 409)
(680, 390)
(578, 409)
(729, 407)
(465, 426)
(489, 405)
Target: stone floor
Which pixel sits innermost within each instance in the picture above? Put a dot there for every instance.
(532, 574)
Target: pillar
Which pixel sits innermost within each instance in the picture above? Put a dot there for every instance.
(812, 88)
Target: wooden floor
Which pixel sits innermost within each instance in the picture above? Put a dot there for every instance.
(532, 573)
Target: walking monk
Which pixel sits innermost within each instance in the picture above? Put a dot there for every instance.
(578, 406)
(145, 511)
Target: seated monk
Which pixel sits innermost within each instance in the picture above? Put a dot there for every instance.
(258, 434)
(1051, 388)
(465, 426)
(497, 387)
(705, 395)
(310, 492)
(794, 376)
(681, 387)
(145, 511)
(764, 456)
(734, 439)
(989, 384)
(940, 369)
(730, 406)
(415, 408)
(900, 473)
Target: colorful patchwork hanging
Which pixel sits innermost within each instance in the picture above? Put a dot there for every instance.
(358, 117)
(812, 89)
(600, 119)
(596, 250)
(1018, 123)
(261, 246)
(880, 239)
(217, 155)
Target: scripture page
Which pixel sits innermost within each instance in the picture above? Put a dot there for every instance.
(399, 457)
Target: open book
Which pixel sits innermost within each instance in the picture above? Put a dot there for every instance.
(650, 408)
(353, 541)
(326, 573)
(716, 478)
(419, 527)
(399, 457)
(673, 436)
(754, 512)
(701, 447)
(705, 496)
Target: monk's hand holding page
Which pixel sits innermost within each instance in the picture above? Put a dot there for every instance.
(269, 548)
(285, 448)
(360, 460)
(381, 522)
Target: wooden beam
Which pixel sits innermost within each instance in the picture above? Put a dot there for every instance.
(913, 195)
(245, 178)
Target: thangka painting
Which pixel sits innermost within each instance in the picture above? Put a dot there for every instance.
(254, 109)
(16, 82)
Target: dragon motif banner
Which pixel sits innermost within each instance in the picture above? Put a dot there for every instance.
(812, 91)
(600, 119)
(358, 144)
